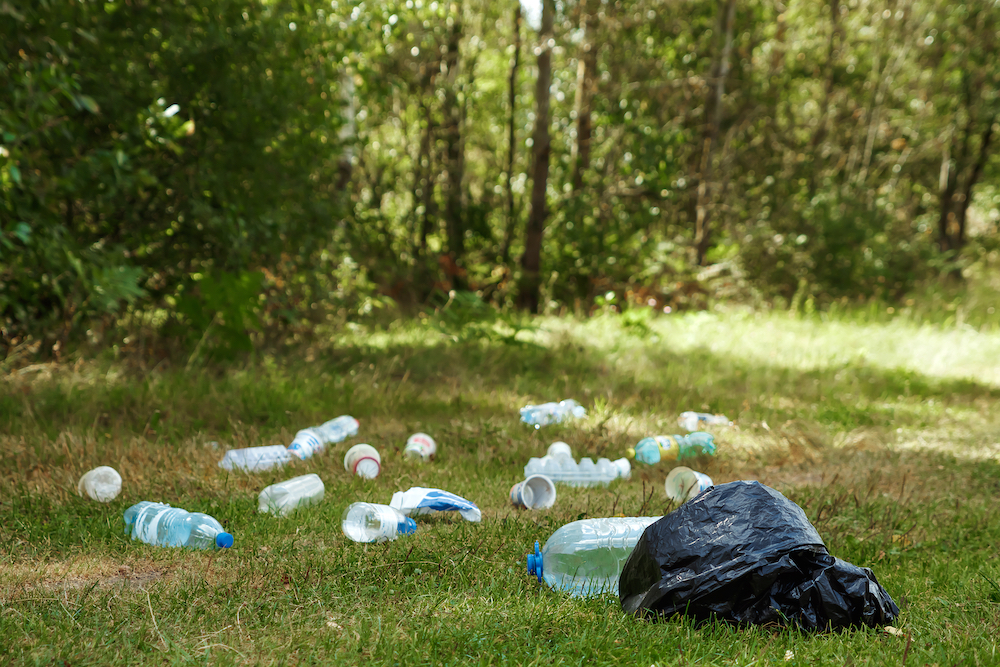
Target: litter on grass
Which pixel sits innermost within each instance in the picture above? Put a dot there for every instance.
(418, 500)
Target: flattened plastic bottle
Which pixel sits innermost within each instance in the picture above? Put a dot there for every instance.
(586, 557)
(282, 498)
(165, 526)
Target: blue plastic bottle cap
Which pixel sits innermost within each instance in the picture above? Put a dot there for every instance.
(406, 526)
(535, 563)
(223, 540)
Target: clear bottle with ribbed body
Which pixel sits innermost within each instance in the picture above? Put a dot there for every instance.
(370, 522)
(551, 413)
(563, 469)
(165, 526)
(256, 459)
(314, 440)
(586, 557)
(282, 498)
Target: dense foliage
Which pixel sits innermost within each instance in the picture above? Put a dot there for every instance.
(236, 164)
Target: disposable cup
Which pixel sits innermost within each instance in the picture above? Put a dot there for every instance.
(560, 448)
(363, 460)
(420, 446)
(683, 483)
(536, 492)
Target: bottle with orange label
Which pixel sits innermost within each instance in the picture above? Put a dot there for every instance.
(658, 448)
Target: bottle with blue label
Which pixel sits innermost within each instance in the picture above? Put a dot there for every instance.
(658, 448)
(314, 440)
(552, 413)
(165, 526)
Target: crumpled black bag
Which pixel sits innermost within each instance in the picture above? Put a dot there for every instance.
(744, 553)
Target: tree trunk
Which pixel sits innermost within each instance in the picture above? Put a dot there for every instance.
(586, 69)
(453, 152)
(528, 293)
(512, 138)
(703, 229)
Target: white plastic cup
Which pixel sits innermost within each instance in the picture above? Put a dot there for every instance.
(102, 484)
(420, 446)
(363, 460)
(536, 492)
(560, 448)
(683, 484)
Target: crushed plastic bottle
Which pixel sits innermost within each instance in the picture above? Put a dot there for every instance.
(165, 526)
(563, 469)
(256, 459)
(693, 421)
(368, 522)
(586, 557)
(551, 413)
(281, 499)
(658, 448)
(102, 484)
(314, 440)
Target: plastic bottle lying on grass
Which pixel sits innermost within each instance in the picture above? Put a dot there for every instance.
(683, 484)
(563, 469)
(165, 526)
(255, 459)
(658, 448)
(102, 484)
(551, 413)
(693, 421)
(368, 522)
(314, 440)
(586, 557)
(281, 499)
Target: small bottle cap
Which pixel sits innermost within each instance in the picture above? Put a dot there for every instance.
(223, 540)
(630, 451)
(406, 526)
(534, 562)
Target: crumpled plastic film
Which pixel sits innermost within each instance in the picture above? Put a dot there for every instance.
(744, 553)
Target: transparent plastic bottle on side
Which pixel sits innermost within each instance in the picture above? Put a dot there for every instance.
(551, 413)
(586, 557)
(165, 526)
(282, 498)
(255, 459)
(368, 522)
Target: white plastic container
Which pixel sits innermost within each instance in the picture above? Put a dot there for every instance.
(586, 557)
(537, 492)
(256, 459)
(420, 446)
(102, 484)
(683, 483)
(564, 470)
(368, 522)
(363, 460)
(559, 448)
(694, 421)
(281, 499)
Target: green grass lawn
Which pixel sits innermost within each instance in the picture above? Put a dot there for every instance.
(886, 433)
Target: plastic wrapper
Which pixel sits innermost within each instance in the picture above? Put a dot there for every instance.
(744, 553)
(418, 500)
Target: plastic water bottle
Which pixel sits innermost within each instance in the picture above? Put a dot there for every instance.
(586, 557)
(255, 459)
(658, 448)
(102, 484)
(692, 421)
(563, 469)
(368, 522)
(551, 413)
(280, 499)
(314, 440)
(166, 526)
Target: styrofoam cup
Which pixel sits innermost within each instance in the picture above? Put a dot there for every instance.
(536, 492)
(683, 483)
(363, 460)
(560, 448)
(420, 446)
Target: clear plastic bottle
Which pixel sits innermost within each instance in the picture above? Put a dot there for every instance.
(314, 440)
(166, 526)
(658, 448)
(564, 470)
(586, 557)
(368, 522)
(551, 413)
(102, 484)
(255, 459)
(693, 421)
(281, 499)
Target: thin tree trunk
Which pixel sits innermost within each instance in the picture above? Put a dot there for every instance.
(528, 293)
(703, 229)
(512, 138)
(455, 163)
(586, 68)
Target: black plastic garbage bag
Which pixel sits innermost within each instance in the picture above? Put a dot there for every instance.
(742, 552)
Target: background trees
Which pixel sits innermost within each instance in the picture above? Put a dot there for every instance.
(236, 164)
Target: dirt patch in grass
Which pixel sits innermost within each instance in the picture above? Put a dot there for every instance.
(78, 573)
